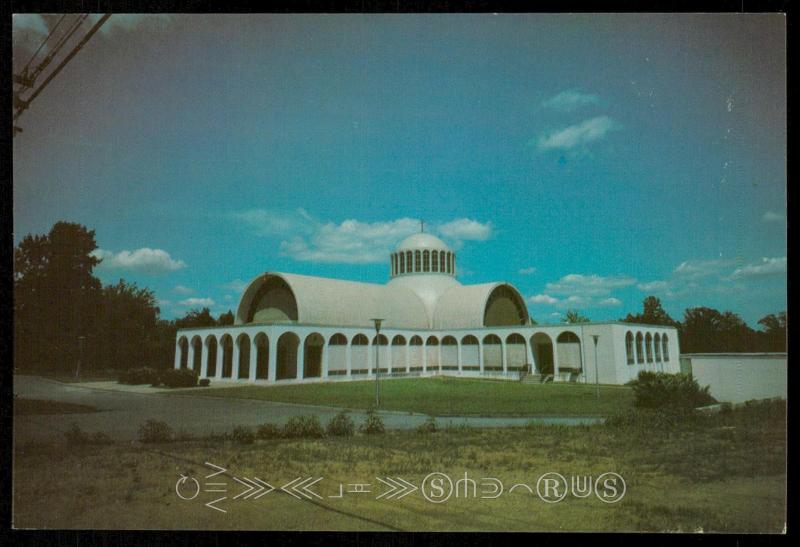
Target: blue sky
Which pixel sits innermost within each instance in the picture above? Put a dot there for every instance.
(589, 160)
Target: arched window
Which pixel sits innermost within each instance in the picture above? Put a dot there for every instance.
(435, 261)
(442, 257)
(426, 261)
(417, 261)
(639, 348)
(665, 347)
(648, 344)
(402, 263)
(629, 347)
(657, 347)
(409, 262)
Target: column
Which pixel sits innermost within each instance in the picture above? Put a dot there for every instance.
(529, 356)
(273, 358)
(555, 359)
(424, 357)
(504, 352)
(480, 354)
(458, 345)
(324, 359)
(235, 361)
(190, 357)
(253, 359)
(177, 355)
(348, 356)
(389, 356)
(407, 347)
(301, 359)
(220, 354)
(203, 360)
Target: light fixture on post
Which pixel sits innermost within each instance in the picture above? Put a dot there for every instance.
(377, 359)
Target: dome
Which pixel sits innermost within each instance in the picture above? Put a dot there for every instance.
(422, 241)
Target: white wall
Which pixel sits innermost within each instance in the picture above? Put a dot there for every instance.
(736, 378)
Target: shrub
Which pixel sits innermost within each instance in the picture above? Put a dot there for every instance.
(269, 431)
(303, 426)
(373, 424)
(76, 436)
(154, 431)
(138, 376)
(179, 377)
(341, 425)
(205, 382)
(243, 435)
(428, 427)
(675, 391)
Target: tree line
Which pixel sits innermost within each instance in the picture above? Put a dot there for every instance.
(63, 314)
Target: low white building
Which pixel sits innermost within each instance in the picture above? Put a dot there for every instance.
(739, 377)
(296, 328)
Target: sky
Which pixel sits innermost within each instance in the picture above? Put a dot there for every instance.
(589, 160)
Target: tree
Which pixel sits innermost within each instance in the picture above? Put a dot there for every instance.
(773, 337)
(708, 330)
(652, 314)
(56, 297)
(196, 319)
(225, 319)
(573, 316)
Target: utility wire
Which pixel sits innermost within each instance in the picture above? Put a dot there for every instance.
(26, 103)
(60, 44)
(25, 68)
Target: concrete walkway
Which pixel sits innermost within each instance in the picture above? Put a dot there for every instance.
(122, 409)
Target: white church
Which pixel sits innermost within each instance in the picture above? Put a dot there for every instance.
(293, 328)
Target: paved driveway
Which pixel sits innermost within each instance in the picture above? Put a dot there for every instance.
(122, 412)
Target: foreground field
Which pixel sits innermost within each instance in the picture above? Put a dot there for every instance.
(443, 396)
(720, 475)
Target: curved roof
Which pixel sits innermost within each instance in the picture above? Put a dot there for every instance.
(326, 301)
(464, 306)
(422, 241)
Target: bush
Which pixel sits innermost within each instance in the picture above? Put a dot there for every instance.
(179, 377)
(154, 431)
(428, 427)
(675, 391)
(243, 435)
(205, 382)
(341, 425)
(76, 436)
(138, 376)
(303, 426)
(373, 425)
(269, 431)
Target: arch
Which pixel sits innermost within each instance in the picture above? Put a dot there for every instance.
(569, 353)
(449, 353)
(286, 362)
(470, 353)
(415, 353)
(516, 352)
(435, 261)
(657, 347)
(492, 352)
(243, 366)
(629, 347)
(197, 353)
(426, 260)
(380, 345)
(402, 262)
(359, 354)
(337, 354)
(648, 347)
(313, 347)
(262, 356)
(639, 348)
(399, 353)
(505, 306)
(417, 261)
(183, 349)
(542, 348)
(211, 356)
(432, 353)
(227, 355)
(665, 347)
(274, 301)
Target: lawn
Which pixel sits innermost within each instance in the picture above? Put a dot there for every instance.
(721, 474)
(445, 396)
(28, 407)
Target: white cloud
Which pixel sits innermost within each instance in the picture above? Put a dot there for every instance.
(543, 299)
(181, 289)
(237, 285)
(162, 303)
(610, 302)
(653, 286)
(696, 269)
(588, 285)
(145, 260)
(570, 100)
(268, 222)
(772, 216)
(29, 21)
(767, 266)
(466, 230)
(579, 134)
(197, 302)
(527, 271)
(127, 22)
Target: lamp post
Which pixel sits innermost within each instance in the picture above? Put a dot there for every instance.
(596, 368)
(377, 360)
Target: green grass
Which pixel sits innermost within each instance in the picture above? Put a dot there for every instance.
(718, 474)
(29, 407)
(445, 396)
